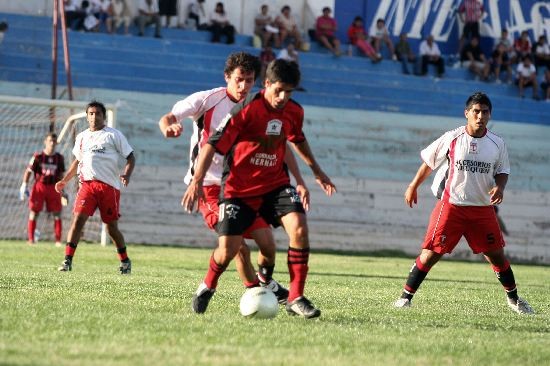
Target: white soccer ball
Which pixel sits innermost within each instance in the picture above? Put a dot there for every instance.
(259, 302)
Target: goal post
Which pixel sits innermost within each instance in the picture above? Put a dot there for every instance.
(24, 123)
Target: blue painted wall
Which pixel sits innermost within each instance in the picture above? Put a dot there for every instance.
(419, 18)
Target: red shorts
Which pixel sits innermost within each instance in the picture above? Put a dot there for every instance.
(44, 192)
(210, 211)
(448, 223)
(95, 194)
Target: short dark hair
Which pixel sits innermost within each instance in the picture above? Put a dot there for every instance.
(287, 72)
(245, 61)
(326, 8)
(3, 26)
(96, 104)
(286, 7)
(478, 98)
(53, 135)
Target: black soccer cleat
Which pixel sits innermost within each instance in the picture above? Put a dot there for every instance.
(303, 307)
(280, 292)
(201, 298)
(66, 266)
(125, 267)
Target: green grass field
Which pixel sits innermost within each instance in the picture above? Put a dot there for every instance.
(94, 316)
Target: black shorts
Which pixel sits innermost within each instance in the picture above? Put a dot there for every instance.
(471, 30)
(237, 214)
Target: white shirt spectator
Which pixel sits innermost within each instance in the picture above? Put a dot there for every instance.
(285, 55)
(526, 71)
(149, 8)
(426, 50)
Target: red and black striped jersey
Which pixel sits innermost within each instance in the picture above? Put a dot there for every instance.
(47, 169)
(253, 139)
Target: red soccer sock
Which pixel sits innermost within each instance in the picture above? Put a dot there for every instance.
(297, 260)
(252, 284)
(213, 274)
(70, 248)
(31, 227)
(57, 227)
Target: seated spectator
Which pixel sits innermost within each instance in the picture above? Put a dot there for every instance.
(527, 76)
(500, 60)
(288, 27)
(3, 30)
(74, 15)
(545, 85)
(148, 15)
(168, 9)
(508, 43)
(358, 37)
(404, 53)
(430, 54)
(474, 59)
(542, 52)
(325, 29)
(100, 10)
(120, 14)
(266, 56)
(264, 27)
(381, 34)
(90, 21)
(196, 16)
(219, 25)
(522, 45)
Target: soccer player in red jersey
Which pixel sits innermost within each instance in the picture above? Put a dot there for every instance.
(208, 109)
(47, 167)
(473, 172)
(255, 181)
(100, 151)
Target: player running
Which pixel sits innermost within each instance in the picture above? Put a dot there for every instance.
(255, 183)
(48, 167)
(208, 109)
(473, 172)
(100, 152)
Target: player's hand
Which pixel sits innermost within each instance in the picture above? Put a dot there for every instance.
(304, 195)
(174, 130)
(411, 196)
(192, 195)
(59, 186)
(23, 192)
(496, 194)
(326, 184)
(125, 179)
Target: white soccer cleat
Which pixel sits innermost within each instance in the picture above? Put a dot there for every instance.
(402, 303)
(520, 306)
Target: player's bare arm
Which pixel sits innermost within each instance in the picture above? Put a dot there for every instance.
(497, 192)
(301, 187)
(169, 126)
(194, 189)
(411, 193)
(71, 172)
(128, 169)
(303, 150)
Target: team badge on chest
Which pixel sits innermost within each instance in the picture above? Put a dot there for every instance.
(473, 147)
(274, 127)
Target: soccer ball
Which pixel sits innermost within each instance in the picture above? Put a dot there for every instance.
(259, 302)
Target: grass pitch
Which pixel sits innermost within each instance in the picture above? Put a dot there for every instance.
(94, 316)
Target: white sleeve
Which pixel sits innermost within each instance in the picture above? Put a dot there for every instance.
(190, 106)
(76, 149)
(122, 145)
(436, 152)
(503, 164)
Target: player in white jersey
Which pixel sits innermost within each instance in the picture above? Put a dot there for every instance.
(473, 172)
(101, 152)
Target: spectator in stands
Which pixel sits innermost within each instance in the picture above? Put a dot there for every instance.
(74, 15)
(500, 60)
(266, 56)
(404, 53)
(90, 20)
(545, 85)
(508, 43)
(474, 59)
(522, 45)
(265, 29)
(219, 25)
(470, 13)
(527, 76)
(148, 15)
(288, 27)
(359, 38)
(430, 54)
(100, 10)
(168, 9)
(3, 30)
(542, 52)
(120, 14)
(381, 34)
(325, 29)
(198, 14)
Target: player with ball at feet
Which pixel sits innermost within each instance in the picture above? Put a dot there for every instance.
(255, 182)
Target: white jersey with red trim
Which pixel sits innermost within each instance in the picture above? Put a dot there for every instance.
(207, 109)
(467, 166)
(101, 155)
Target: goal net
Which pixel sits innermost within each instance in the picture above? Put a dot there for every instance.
(24, 123)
